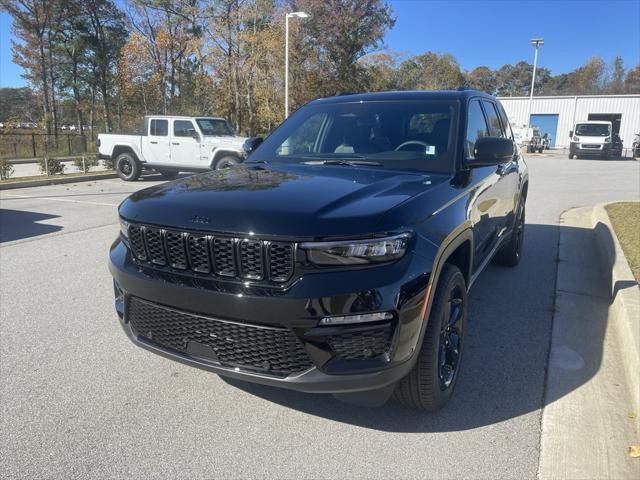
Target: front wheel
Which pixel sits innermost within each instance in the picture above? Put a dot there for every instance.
(430, 384)
(225, 162)
(127, 167)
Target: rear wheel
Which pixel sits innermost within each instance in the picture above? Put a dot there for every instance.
(509, 255)
(127, 167)
(225, 162)
(430, 384)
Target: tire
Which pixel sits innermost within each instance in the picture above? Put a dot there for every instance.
(571, 156)
(509, 255)
(225, 162)
(127, 167)
(430, 384)
(540, 149)
(168, 174)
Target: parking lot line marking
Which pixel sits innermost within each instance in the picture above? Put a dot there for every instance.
(66, 200)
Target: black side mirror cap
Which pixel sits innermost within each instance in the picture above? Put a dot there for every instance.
(492, 151)
(251, 144)
(570, 133)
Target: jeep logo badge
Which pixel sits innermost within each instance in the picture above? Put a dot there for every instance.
(199, 219)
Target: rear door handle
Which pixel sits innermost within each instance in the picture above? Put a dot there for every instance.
(154, 142)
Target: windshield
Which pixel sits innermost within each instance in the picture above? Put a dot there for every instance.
(414, 135)
(593, 129)
(214, 126)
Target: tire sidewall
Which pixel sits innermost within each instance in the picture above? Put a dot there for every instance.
(452, 278)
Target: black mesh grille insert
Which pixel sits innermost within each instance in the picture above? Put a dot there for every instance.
(154, 245)
(136, 240)
(276, 351)
(223, 250)
(251, 259)
(227, 257)
(361, 345)
(175, 250)
(280, 261)
(199, 253)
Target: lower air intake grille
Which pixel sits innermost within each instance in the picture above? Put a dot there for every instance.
(270, 350)
(362, 345)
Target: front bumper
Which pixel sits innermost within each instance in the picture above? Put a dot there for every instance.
(399, 288)
(587, 149)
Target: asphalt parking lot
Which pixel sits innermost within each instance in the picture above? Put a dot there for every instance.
(79, 401)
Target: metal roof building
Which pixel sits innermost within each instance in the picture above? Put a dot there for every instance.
(557, 115)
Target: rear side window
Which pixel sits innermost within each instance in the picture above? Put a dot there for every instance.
(495, 129)
(159, 128)
(476, 127)
(506, 126)
(183, 128)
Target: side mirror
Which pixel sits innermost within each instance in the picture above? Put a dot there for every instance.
(195, 135)
(491, 151)
(251, 144)
(570, 133)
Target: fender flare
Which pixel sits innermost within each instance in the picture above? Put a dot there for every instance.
(222, 151)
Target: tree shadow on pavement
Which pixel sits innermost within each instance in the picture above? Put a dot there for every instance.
(18, 224)
(505, 358)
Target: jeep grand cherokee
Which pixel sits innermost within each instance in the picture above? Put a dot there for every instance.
(338, 257)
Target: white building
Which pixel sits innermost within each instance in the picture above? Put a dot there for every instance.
(557, 115)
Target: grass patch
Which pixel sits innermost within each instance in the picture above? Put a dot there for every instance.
(51, 177)
(625, 218)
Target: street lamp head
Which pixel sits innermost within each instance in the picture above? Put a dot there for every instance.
(537, 41)
(298, 15)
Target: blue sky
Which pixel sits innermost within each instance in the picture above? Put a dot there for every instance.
(489, 33)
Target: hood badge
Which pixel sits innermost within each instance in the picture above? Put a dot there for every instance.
(199, 219)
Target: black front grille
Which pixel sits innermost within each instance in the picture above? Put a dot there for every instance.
(362, 344)
(271, 350)
(221, 256)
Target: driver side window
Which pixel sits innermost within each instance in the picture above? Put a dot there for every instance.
(476, 128)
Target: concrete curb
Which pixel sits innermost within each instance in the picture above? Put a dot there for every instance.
(55, 181)
(624, 310)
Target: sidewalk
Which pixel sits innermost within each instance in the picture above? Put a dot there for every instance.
(588, 421)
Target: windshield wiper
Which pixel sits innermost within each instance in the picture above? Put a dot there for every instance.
(341, 161)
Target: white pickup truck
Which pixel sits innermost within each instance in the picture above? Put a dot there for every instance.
(170, 145)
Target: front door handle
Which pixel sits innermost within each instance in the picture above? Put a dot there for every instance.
(154, 142)
(175, 143)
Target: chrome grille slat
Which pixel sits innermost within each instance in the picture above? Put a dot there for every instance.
(224, 257)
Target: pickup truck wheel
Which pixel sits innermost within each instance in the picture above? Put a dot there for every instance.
(225, 162)
(430, 384)
(509, 255)
(127, 167)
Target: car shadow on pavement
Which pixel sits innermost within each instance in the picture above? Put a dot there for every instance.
(508, 337)
(19, 224)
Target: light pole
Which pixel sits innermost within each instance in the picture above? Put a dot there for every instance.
(536, 42)
(286, 57)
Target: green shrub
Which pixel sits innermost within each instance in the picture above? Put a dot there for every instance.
(88, 163)
(6, 169)
(108, 164)
(55, 166)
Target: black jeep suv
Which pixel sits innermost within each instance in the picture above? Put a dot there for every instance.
(338, 257)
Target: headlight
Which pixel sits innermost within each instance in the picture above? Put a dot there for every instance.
(576, 138)
(351, 252)
(124, 228)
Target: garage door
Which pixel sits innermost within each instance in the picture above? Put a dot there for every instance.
(547, 123)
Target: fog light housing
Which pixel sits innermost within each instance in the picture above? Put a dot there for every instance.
(359, 318)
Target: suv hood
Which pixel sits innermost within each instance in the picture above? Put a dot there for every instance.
(280, 200)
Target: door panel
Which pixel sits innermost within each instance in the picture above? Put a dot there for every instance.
(155, 145)
(185, 149)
